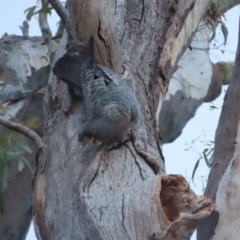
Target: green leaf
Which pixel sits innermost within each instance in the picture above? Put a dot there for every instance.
(213, 32)
(30, 12)
(20, 165)
(58, 36)
(1, 204)
(46, 59)
(26, 162)
(26, 148)
(224, 32)
(3, 140)
(5, 175)
(206, 156)
(32, 122)
(195, 168)
(12, 152)
(45, 70)
(47, 9)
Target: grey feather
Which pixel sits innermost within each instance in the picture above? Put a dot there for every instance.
(113, 109)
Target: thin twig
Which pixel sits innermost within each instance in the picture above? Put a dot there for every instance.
(23, 130)
(45, 29)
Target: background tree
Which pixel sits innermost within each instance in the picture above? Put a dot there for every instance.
(100, 194)
(222, 182)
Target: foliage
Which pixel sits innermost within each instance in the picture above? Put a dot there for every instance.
(34, 10)
(42, 8)
(13, 147)
(43, 71)
(205, 154)
(213, 18)
(225, 70)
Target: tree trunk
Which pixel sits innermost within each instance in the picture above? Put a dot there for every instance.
(81, 192)
(223, 179)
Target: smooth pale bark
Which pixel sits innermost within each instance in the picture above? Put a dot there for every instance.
(227, 198)
(188, 88)
(82, 193)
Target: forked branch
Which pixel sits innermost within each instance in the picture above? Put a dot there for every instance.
(64, 16)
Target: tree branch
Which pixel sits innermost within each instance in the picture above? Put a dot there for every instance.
(45, 29)
(23, 130)
(25, 29)
(64, 16)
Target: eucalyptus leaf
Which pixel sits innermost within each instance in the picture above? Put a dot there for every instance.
(30, 12)
(26, 148)
(26, 162)
(20, 165)
(224, 32)
(5, 172)
(1, 204)
(195, 168)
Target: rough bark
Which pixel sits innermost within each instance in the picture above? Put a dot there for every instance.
(81, 192)
(225, 163)
(16, 219)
